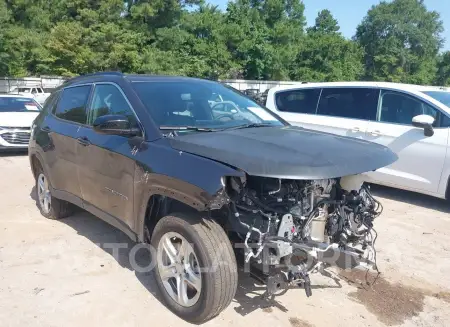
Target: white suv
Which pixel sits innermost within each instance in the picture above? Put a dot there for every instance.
(36, 92)
(411, 120)
(17, 114)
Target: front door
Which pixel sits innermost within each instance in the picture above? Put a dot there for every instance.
(420, 158)
(106, 164)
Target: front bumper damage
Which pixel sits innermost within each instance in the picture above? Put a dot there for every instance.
(301, 259)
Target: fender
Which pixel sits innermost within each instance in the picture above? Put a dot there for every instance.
(193, 180)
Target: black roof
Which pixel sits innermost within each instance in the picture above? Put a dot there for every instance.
(113, 76)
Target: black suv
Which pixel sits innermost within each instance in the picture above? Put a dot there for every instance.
(151, 156)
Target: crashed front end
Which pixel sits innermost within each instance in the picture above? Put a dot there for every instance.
(299, 203)
(290, 228)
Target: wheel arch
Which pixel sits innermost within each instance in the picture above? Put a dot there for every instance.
(161, 201)
(35, 161)
(159, 206)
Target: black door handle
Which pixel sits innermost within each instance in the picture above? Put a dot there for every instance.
(46, 129)
(84, 141)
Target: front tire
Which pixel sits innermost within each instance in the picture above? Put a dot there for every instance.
(196, 269)
(49, 206)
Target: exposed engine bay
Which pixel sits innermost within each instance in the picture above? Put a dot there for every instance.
(290, 228)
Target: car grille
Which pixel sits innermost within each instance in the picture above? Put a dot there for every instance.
(16, 137)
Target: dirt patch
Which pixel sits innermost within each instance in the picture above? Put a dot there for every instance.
(267, 310)
(391, 303)
(295, 322)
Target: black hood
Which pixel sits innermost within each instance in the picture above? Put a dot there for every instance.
(287, 152)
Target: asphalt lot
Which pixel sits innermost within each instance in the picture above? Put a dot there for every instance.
(62, 273)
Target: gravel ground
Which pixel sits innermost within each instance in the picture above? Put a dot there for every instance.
(59, 273)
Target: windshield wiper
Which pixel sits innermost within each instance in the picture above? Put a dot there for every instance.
(250, 126)
(187, 128)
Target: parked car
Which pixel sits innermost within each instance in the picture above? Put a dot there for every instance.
(16, 116)
(36, 92)
(148, 155)
(251, 92)
(262, 99)
(413, 121)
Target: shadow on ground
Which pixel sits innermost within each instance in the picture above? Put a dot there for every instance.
(248, 297)
(412, 198)
(13, 152)
(104, 236)
(249, 293)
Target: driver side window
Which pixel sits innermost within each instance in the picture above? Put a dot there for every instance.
(400, 108)
(108, 100)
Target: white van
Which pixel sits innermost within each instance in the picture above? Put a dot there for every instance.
(412, 120)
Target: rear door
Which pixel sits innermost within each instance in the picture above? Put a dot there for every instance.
(420, 158)
(343, 111)
(61, 128)
(106, 164)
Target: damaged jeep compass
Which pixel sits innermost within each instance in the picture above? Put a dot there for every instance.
(210, 179)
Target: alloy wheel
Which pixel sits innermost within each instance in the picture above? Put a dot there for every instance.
(179, 270)
(44, 195)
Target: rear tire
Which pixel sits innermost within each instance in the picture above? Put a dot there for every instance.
(211, 250)
(49, 206)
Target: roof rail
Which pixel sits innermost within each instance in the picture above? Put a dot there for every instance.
(113, 73)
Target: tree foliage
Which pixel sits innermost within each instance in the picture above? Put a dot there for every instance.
(325, 23)
(443, 75)
(252, 39)
(325, 55)
(401, 40)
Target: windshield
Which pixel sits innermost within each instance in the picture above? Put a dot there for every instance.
(203, 104)
(18, 104)
(441, 96)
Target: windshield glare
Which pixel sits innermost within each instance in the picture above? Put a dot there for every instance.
(202, 104)
(441, 96)
(18, 104)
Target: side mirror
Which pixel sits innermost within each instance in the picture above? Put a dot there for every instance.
(425, 122)
(115, 125)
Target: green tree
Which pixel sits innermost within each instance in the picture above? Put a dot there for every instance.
(401, 40)
(443, 74)
(325, 23)
(157, 13)
(263, 36)
(327, 58)
(4, 20)
(325, 55)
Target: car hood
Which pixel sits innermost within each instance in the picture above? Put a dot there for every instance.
(287, 152)
(17, 119)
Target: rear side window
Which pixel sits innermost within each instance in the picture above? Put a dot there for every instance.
(72, 104)
(356, 103)
(298, 101)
